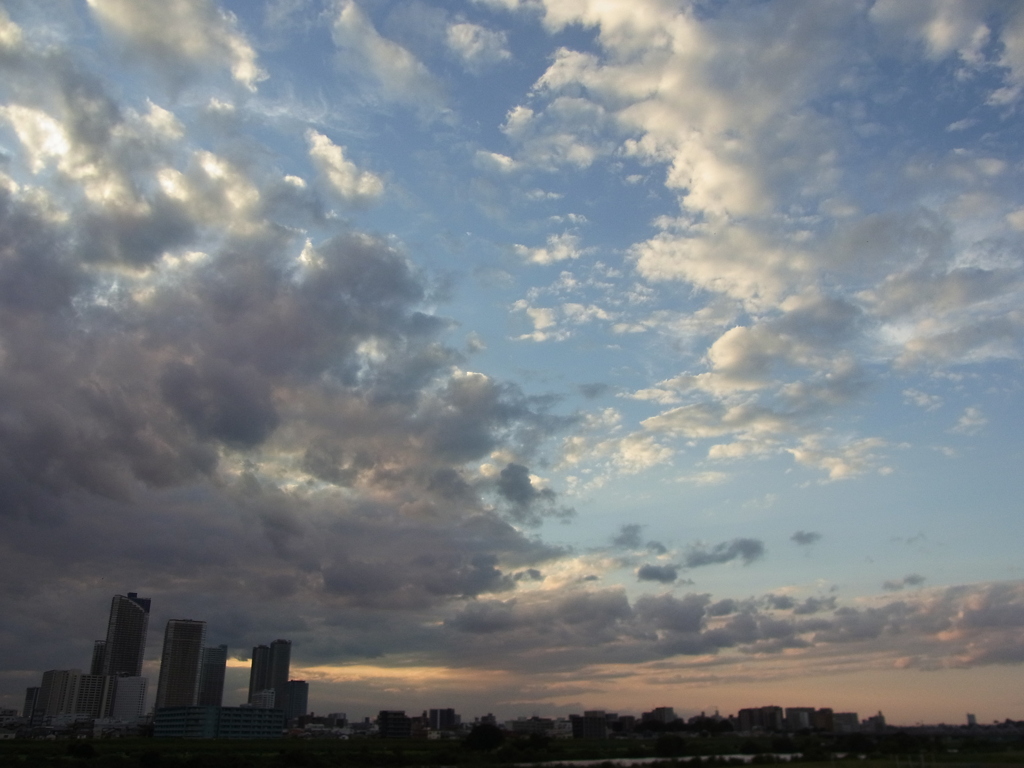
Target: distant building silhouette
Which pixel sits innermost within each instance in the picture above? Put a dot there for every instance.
(845, 722)
(57, 691)
(211, 676)
(218, 723)
(259, 668)
(393, 724)
(659, 715)
(69, 692)
(296, 700)
(123, 650)
(178, 685)
(270, 670)
(31, 704)
(874, 724)
(443, 720)
(769, 719)
(824, 720)
(592, 724)
(799, 718)
(99, 652)
(265, 699)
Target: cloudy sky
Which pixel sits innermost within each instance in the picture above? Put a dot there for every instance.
(521, 356)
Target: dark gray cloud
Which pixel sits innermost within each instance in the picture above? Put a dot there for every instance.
(200, 404)
(592, 391)
(516, 486)
(530, 574)
(910, 580)
(661, 626)
(628, 536)
(722, 607)
(805, 538)
(808, 606)
(665, 574)
(483, 618)
(528, 503)
(582, 619)
(671, 613)
(747, 550)
(826, 320)
(814, 605)
(779, 602)
(221, 402)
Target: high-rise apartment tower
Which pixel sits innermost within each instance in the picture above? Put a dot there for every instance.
(270, 668)
(211, 676)
(259, 669)
(123, 650)
(178, 685)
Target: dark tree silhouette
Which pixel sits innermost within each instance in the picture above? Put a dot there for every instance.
(484, 737)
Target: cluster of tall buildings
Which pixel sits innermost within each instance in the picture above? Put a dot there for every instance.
(191, 673)
(114, 686)
(269, 686)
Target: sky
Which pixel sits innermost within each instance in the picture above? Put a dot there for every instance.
(521, 356)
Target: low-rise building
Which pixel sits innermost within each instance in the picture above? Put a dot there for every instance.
(592, 724)
(664, 715)
(799, 718)
(218, 723)
(444, 719)
(845, 722)
(394, 724)
(767, 719)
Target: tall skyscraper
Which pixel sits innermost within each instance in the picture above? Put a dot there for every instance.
(211, 676)
(125, 646)
(259, 670)
(178, 685)
(280, 663)
(270, 668)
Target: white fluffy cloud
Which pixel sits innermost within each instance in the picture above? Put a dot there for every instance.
(730, 110)
(186, 33)
(352, 184)
(477, 46)
(560, 247)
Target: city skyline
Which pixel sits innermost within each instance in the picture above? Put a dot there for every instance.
(529, 356)
(192, 674)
